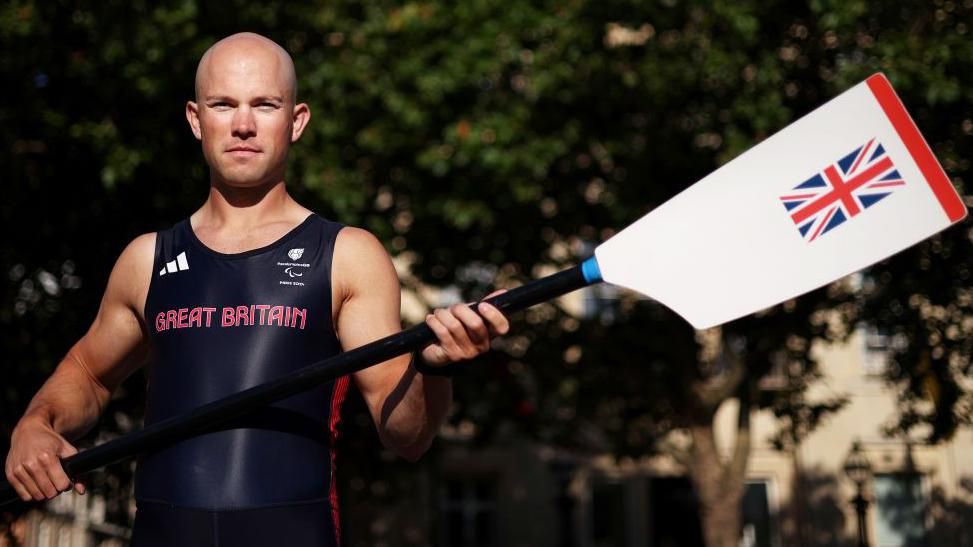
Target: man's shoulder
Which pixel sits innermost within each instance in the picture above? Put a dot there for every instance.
(136, 260)
(355, 238)
(358, 256)
(131, 275)
(359, 246)
(140, 251)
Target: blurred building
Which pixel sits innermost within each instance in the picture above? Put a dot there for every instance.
(920, 495)
(519, 493)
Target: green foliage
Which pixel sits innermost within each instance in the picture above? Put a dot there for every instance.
(921, 298)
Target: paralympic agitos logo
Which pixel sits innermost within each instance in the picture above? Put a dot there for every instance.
(294, 269)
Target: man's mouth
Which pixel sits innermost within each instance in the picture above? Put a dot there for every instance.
(243, 150)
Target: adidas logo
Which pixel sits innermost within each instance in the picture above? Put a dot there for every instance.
(180, 264)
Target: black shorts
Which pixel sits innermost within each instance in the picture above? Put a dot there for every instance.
(307, 524)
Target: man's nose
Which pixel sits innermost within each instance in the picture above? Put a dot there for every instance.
(244, 124)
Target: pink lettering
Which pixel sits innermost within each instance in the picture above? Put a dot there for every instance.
(196, 317)
(228, 316)
(276, 314)
(209, 313)
(244, 315)
(263, 310)
(232, 316)
(302, 313)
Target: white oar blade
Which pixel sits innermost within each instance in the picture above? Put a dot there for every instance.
(850, 184)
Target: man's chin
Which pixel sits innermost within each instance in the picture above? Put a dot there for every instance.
(244, 180)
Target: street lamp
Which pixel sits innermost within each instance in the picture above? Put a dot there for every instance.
(859, 470)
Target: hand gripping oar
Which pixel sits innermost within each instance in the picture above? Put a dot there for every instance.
(843, 187)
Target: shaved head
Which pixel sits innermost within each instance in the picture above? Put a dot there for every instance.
(246, 114)
(239, 50)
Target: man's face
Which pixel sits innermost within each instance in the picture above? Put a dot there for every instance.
(245, 114)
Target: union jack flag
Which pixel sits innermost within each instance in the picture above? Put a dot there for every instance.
(842, 190)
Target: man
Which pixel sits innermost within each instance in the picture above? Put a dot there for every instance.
(250, 287)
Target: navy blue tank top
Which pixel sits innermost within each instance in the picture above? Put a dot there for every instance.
(221, 323)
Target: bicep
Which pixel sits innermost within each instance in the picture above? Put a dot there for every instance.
(369, 300)
(117, 342)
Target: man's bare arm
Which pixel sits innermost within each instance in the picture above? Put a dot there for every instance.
(407, 407)
(70, 401)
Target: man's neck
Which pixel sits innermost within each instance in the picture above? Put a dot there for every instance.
(238, 208)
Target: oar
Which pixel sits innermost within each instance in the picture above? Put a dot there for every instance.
(842, 188)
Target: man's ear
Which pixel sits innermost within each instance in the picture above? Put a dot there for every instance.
(192, 116)
(302, 115)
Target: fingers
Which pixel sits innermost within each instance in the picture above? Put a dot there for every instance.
(48, 475)
(67, 450)
(33, 464)
(14, 477)
(26, 473)
(473, 326)
(56, 471)
(40, 478)
(43, 475)
(463, 333)
(450, 327)
(497, 321)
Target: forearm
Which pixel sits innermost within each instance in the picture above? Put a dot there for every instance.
(413, 413)
(70, 401)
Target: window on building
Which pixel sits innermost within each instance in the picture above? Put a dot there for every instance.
(758, 518)
(876, 351)
(675, 513)
(566, 503)
(608, 514)
(468, 508)
(878, 348)
(776, 378)
(899, 510)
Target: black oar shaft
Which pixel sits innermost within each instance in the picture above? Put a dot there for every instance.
(209, 415)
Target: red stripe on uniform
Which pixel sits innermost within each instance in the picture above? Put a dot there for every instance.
(917, 146)
(337, 398)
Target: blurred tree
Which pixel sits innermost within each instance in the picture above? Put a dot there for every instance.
(487, 142)
(552, 126)
(920, 301)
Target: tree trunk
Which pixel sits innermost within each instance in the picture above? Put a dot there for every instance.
(720, 484)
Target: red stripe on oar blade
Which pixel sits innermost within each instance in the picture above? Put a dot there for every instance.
(917, 147)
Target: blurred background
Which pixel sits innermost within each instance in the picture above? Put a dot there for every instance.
(487, 143)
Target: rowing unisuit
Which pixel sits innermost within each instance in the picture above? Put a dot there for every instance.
(221, 323)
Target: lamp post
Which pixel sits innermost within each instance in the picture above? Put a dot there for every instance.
(859, 470)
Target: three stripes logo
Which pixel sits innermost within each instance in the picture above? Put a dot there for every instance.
(180, 264)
